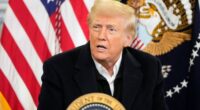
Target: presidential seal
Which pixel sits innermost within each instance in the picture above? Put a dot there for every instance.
(96, 101)
(162, 25)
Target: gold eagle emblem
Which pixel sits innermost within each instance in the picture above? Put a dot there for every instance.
(167, 21)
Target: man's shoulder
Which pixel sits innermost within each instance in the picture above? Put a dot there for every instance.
(142, 56)
(149, 64)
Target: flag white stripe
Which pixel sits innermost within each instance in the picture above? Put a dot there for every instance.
(142, 47)
(16, 82)
(72, 25)
(24, 43)
(42, 19)
(138, 46)
(88, 4)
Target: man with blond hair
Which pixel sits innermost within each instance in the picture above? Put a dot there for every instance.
(106, 64)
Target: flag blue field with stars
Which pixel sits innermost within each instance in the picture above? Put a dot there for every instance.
(51, 5)
(194, 64)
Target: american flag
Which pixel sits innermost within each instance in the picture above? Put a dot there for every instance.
(33, 31)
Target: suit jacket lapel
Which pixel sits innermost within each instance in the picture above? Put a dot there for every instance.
(85, 72)
(132, 78)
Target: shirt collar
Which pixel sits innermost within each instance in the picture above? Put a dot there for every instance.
(102, 70)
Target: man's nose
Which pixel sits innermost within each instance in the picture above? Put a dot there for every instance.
(102, 34)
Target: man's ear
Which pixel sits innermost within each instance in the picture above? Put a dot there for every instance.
(128, 40)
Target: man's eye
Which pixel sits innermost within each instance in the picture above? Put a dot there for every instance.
(96, 28)
(112, 30)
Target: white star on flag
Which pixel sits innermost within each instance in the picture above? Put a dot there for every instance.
(184, 83)
(194, 53)
(197, 45)
(177, 89)
(169, 93)
(165, 70)
(191, 62)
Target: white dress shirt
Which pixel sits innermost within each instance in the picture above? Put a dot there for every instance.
(110, 79)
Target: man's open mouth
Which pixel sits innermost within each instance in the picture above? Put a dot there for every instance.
(101, 47)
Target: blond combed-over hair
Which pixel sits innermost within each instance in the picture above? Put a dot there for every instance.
(114, 8)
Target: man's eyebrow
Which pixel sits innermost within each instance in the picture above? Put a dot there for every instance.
(110, 25)
(96, 24)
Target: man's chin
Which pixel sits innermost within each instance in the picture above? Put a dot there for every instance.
(99, 57)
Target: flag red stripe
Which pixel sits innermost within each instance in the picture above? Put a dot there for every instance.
(31, 28)
(135, 39)
(66, 42)
(9, 93)
(81, 13)
(20, 64)
(137, 43)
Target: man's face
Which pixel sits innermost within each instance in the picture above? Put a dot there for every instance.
(107, 38)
